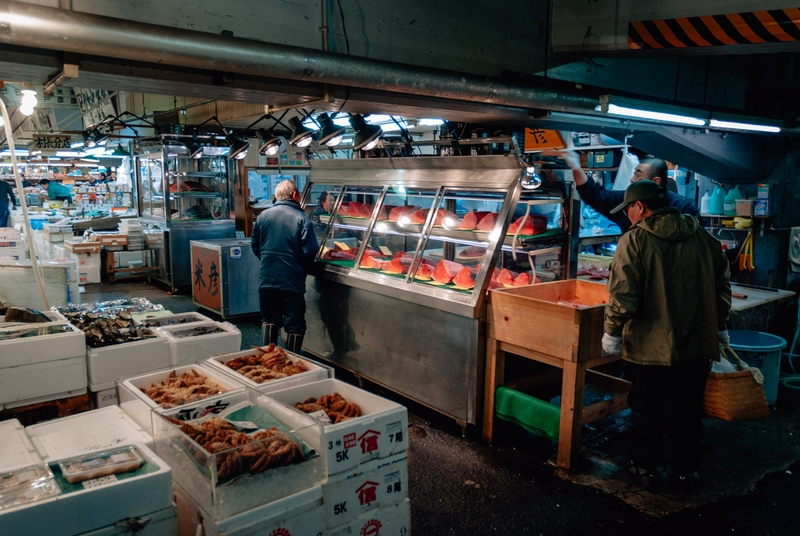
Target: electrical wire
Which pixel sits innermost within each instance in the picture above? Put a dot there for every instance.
(344, 28)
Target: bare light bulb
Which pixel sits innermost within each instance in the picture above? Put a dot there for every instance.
(26, 109)
(272, 150)
(28, 98)
(305, 142)
(448, 223)
(370, 145)
(336, 140)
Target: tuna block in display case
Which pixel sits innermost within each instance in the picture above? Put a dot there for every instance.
(372, 485)
(252, 453)
(193, 401)
(46, 365)
(299, 514)
(392, 520)
(109, 363)
(97, 503)
(198, 341)
(269, 382)
(379, 432)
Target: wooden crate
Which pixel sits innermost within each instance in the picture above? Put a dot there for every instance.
(531, 317)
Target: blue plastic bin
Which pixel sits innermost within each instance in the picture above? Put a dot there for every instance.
(761, 351)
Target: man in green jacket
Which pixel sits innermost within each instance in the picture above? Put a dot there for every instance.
(669, 302)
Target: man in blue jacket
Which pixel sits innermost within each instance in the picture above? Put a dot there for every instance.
(284, 241)
(603, 201)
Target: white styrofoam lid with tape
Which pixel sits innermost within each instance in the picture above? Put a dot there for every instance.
(86, 432)
(16, 450)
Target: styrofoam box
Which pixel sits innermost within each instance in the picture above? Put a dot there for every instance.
(16, 449)
(138, 405)
(380, 431)
(104, 395)
(88, 275)
(190, 350)
(96, 507)
(127, 360)
(85, 259)
(159, 319)
(390, 521)
(372, 485)
(316, 371)
(41, 382)
(243, 494)
(299, 514)
(161, 523)
(43, 348)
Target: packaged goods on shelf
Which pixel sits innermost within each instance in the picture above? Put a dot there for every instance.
(394, 519)
(380, 431)
(278, 377)
(200, 340)
(235, 479)
(139, 405)
(299, 514)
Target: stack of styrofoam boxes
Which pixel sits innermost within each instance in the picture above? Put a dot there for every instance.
(42, 368)
(106, 505)
(87, 257)
(139, 406)
(367, 487)
(11, 244)
(135, 232)
(280, 500)
(55, 234)
(108, 363)
(185, 349)
(20, 286)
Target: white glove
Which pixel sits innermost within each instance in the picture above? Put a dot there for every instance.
(723, 336)
(611, 345)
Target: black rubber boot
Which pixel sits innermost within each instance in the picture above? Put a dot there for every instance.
(294, 343)
(269, 334)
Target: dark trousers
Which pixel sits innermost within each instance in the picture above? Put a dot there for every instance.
(284, 309)
(4, 214)
(666, 413)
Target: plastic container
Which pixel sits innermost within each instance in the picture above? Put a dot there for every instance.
(761, 351)
(100, 464)
(744, 207)
(715, 204)
(704, 202)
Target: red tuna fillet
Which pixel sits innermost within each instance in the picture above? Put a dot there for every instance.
(445, 271)
(334, 255)
(365, 211)
(368, 261)
(471, 220)
(522, 279)
(383, 214)
(465, 279)
(398, 265)
(506, 277)
(419, 216)
(533, 224)
(424, 272)
(442, 214)
(396, 212)
(487, 222)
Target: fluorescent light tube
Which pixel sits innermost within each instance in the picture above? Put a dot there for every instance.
(656, 116)
(742, 126)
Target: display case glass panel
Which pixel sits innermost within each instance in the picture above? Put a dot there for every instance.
(198, 189)
(353, 210)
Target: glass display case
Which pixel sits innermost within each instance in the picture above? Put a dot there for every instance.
(183, 198)
(407, 252)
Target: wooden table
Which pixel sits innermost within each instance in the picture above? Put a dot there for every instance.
(534, 325)
(111, 270)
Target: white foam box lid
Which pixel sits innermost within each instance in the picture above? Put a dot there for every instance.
(16, 449)
(315, 372)
(189, 350)
(43, 348)
(299, 514)
(93, 508)
(168, 318)
(138, 405)
(393, 520)
(91, 431)
(40, 382)
(127, 360)
(375, 484)
(380, 431)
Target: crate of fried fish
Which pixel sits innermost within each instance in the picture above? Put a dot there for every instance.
(198, 341)
(252, 453)
(117, 347)
(184, 393)
(269, 368)
(358, 426)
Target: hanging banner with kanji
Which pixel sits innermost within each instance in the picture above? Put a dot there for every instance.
(538, 139)
(206, 278)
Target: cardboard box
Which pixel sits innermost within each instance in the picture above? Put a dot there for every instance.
(316, 372)
(127, 360)
(78, 245)
(54, 237)
(185, 350)
(372, 485)
(381, 430)
(390, 521)
(764, 191)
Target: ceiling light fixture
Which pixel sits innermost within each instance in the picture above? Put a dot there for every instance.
(302, 136)
(656, 116)
(331, 134)
(732, 125)
(529, 179)
(367, 136)
(270, 144)
(238, 147)
(120, 152)
(28, 100)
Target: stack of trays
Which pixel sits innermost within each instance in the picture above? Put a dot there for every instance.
(135, 232)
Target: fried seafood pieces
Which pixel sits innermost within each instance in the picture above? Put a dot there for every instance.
(265, 366)
(260, 451)
(183, 389)
(335, 406)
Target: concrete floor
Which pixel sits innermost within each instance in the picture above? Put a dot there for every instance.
(750, 483)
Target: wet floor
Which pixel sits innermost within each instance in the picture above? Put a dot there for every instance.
(750, 481)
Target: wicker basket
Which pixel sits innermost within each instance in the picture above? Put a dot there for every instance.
(734, 396)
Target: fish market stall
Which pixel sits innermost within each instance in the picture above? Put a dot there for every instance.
(407, 253)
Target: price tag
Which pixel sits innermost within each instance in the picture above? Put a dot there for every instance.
(99, 482)
(342, 246)
(119, 458)
(386, 251)
(320, 416)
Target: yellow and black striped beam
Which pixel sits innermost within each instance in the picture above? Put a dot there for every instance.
(773, 26)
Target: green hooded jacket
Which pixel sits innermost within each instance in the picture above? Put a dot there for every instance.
(669, 290)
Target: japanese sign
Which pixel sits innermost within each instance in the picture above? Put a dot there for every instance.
(537, 139)
(206, 278)
(51, 141)
(94, 105)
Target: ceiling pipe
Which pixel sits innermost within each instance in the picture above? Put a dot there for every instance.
(35, 26)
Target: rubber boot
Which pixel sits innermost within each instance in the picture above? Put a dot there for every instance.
(294, 343)
(269, 334)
